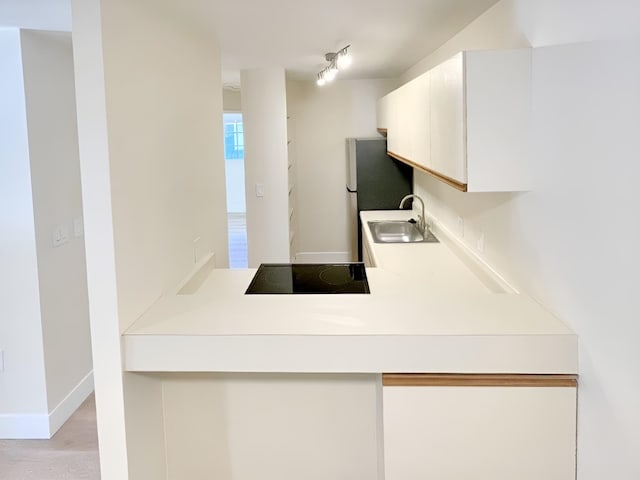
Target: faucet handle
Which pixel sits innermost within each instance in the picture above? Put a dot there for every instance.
(422, 224)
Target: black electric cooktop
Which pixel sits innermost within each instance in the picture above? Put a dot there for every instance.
(309, 278)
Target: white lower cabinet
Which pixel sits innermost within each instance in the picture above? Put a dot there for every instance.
(479, 432)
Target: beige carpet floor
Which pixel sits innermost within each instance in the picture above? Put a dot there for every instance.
(72, 453)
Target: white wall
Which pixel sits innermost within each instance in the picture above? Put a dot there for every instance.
(572, 241)
(22, 383)
(324, 118)
(44, 324)
(264, 109)
(149, 98)
(55, 176)
(498, 27)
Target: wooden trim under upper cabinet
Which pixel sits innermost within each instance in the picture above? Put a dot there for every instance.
(477, 380)
(443, 178)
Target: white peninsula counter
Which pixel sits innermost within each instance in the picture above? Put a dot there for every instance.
(427, 312)
(432, 375)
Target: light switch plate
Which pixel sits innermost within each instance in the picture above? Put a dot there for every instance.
(60, 235)
(78, 227)
(1, 361)
(259, 190)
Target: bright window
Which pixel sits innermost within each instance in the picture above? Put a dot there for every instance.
(233, 137)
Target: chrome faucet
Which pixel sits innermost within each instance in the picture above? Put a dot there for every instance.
(421, 221)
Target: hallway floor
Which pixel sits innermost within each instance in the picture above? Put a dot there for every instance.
(72, 453)
(237, 224)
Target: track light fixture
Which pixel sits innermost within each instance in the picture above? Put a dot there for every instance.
(337, 61)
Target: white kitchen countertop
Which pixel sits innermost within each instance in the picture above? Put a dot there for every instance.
(427, 312)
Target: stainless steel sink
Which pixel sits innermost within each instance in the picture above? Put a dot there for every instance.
(398, 231)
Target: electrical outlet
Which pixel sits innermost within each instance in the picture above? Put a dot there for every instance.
(480, 243)
(461, 226)
(196, 249)
(429, 222)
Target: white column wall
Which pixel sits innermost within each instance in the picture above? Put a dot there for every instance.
(149, 97)
(99, 244)
(572, 241)
(55, 175)
(22, 383)
(165, 151)
(264, 109)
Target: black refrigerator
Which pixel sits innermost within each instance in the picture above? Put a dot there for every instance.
(375, 181)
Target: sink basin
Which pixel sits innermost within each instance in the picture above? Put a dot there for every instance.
(395, 231)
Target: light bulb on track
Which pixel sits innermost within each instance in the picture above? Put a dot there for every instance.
(337, 61)
(330, 75)
(344, 59)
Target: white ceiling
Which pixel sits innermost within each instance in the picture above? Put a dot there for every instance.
(36, 14)
(386, 36)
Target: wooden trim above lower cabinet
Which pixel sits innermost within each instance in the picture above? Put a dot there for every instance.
(382, 131)
(443, 178)
(477, 380)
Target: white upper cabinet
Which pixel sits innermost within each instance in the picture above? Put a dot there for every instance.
(402, 120)
(448, 152)
(418, 121)
(394, 127)
(382, 114)
(498, 120)
(408, 121)
(467, 121)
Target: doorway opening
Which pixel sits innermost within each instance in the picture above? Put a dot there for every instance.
(236, 204)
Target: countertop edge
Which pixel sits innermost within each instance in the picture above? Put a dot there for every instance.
(353, 353)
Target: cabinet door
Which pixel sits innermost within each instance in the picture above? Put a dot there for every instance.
(382, 113)
(393, 121)
(418, 121)
(484, 433)
(498, 110)
(448, 149)
(400, 114)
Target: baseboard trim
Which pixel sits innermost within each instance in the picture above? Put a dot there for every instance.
(44, 426)
(70, 404)
(322, 257)
(24, 426)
